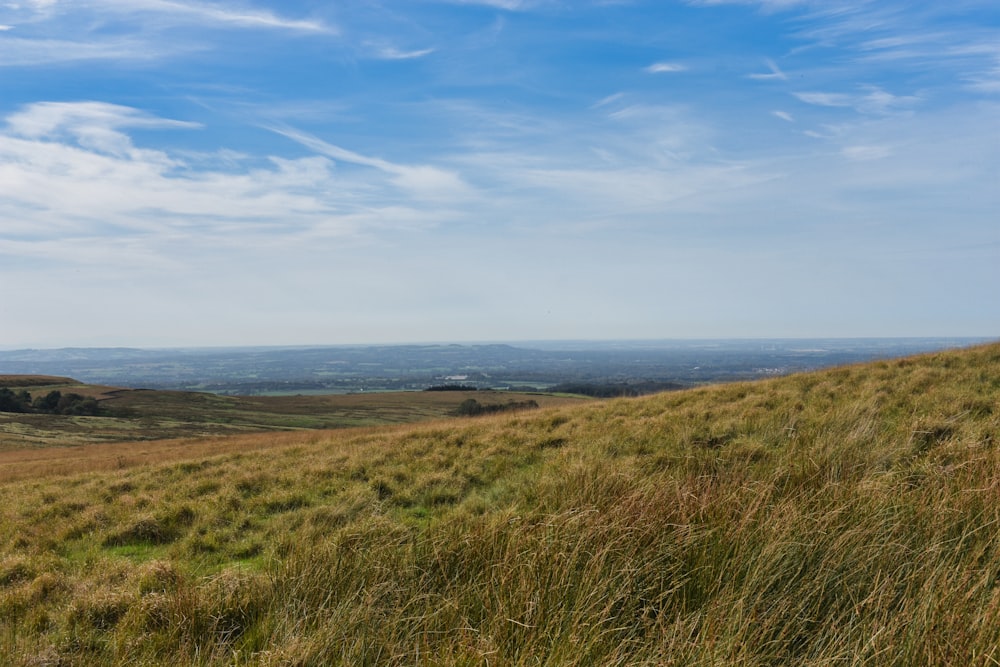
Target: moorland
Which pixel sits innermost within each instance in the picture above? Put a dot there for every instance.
(842, 516)
(123, 414)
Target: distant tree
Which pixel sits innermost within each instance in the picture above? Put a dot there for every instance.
(75, 404)
(49, 402)
(9, 401)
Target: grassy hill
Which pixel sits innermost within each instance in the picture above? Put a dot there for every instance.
(140, 414)
(848, 516)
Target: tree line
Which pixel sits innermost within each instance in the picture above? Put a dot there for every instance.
(52, 403)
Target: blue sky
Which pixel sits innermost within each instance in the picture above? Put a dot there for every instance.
(184, 172)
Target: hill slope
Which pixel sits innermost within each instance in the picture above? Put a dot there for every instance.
(842, 517)
(141, 414)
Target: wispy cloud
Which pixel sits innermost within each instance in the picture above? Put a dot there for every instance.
(47, 119)
(784, 115)
(765, 5)
(775, 72)
(129, 31)
(18, 52)
(70, 171)
(865, 153)
(825, 99)
(392, 53)
(510, 5)
(664, 67)
(610, 99)
(218, 14)
(422, 180)
(874, 100)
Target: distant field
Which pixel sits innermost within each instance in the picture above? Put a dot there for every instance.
(137, 414)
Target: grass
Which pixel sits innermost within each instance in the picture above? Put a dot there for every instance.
(844, 517)
(156, 415)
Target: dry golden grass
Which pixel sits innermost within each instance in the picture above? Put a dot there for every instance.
(848, 516)
(23, 464)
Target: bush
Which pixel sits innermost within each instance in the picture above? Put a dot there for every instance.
(470, 407)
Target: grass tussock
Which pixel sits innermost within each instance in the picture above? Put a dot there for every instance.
(845, 517)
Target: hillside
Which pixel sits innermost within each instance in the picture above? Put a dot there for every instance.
(847, 516)
(121, 415)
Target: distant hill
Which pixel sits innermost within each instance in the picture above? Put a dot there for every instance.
(630, 365)
(844, 516)
(34, 380)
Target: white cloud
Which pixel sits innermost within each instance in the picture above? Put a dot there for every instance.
(865, 153)
(392, 53)
(775, 72)
(510, 5)
(610, 99)
(784, 115)
(27, 52)
(765, 5)
(825, 99)
(660, 68)
(128, 30)
(422, 180)
(69, 172)
(878, 101)
(217, 14)
(48, 118)
(874, 101)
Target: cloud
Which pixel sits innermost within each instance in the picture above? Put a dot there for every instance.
(783, 115)
(610, 99)
(20, 52)
(865, 153)
(878, 101)
(45, 119)
(93, 126)
(392, 53)
(660, 68)
(765, 5)
(775, 73)
(874, 101)
(128, 30)
(422, 180)
(987, 80)
(69, 173)
(510, 5)
(219, 15)
(825, 99)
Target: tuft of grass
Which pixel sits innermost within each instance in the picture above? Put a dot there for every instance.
(847, 516)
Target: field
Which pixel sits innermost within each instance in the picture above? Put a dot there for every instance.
(137, 414)
(840, 517)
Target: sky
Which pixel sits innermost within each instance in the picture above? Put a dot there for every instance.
(253, 172)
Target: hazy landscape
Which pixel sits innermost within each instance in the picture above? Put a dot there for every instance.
(841, 515)
(639, 366)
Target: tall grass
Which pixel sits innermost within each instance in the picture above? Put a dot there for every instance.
(846, 517)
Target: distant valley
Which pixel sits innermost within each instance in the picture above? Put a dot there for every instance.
(625, 367)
